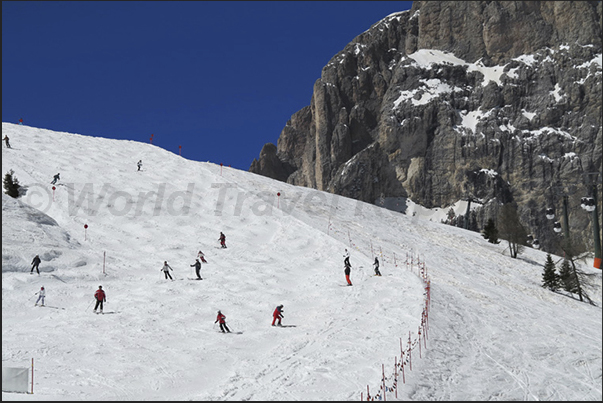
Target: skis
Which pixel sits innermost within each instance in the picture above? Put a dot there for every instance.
(190, 278)
(285, 326)
(48, 306)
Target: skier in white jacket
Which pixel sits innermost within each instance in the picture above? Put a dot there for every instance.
(41, 295)
(166, 270)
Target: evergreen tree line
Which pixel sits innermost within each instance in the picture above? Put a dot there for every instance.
(569, 278)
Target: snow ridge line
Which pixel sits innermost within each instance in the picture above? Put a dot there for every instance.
(411, 261)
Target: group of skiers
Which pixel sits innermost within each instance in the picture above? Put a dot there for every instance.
(347, 267)
(277, 315)
(99, 296)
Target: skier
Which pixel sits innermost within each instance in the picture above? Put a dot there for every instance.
(376, 264)
(197, 266)
(20, 121)
(166, 270)
(222, 240)
(347, 270)
(55, 178)
(222, 319)
(346, 257)
(100, 298)
(201, 256)
(41, 295)
(6, 141)
(139, 164)
(35, 263)
(277, 314)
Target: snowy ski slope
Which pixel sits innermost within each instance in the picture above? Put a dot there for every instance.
(494, 332)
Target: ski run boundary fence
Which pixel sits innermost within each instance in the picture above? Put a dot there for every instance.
(402, 364)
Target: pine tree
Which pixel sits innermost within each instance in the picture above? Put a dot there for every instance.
(550, 278)
(451, 217)
(11, 184)
(490, 232)
(567, 277)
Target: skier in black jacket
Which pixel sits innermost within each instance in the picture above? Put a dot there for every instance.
(35, 263)
(348, 268)
(376, 264)
(197, 266)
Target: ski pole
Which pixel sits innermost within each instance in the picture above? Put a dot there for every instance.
(90, 304)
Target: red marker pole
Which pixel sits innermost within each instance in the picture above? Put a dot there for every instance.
(277, 199)
(53, 189)
(85, 230)
(180, 150)
(396, 375)
(402, 361)
(409, 352)
(151, 139)
(383, 374)
(220, 169)
(420, 342)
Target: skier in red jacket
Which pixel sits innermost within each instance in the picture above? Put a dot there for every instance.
(277, 314)
(100, 298)
(222, 319)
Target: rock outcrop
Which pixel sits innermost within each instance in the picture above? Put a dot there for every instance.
(491, 101)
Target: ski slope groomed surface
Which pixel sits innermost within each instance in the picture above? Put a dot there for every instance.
(493, 332)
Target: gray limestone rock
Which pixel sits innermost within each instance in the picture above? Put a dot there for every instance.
(490, 100)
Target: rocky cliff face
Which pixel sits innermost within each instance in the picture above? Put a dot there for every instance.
(490, 100)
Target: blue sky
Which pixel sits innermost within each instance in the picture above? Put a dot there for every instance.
(220, 79)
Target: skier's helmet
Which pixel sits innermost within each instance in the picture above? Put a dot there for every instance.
(100, 286)
(42, 288)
